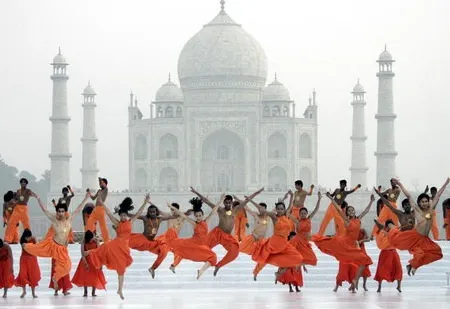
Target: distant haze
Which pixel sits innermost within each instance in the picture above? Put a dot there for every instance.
(327, 45)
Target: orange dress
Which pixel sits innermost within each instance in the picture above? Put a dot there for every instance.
(389, 267)
(188, 250)
(6, 273)
(344, 248)
(114, 254)
(301, 242)
(91, 277)
(198, 238)
(346, 273)
(332, 214)
(64, 283)
(29, 273)
(292, 276)
(276, 250)
(423, 249)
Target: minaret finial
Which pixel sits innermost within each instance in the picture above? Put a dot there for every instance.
(358, 81)
(385, 47)
(59, 50)
(169, 76)
(222, 5)
(276, 79)
(89, 83)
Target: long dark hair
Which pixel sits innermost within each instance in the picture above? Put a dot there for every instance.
(26, 233)
(196, 204)
(126, 206)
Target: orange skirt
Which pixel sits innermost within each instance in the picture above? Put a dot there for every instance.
(304, 247)
(342, 249)
(276, 251)
(64, 283)
(6, 276)
(389, 266)
(89, 277)
(292, 276)
(115, 255)
(346, 273)
(29, 273)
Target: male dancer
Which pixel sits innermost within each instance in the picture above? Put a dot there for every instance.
(66, 198)
(339, 196)
(446, 213)
(56, 247)
(8, 208)
(20, 212)
(299, 198)
(405, 218)
(386, 213)
(147, 240)
(222, 233)
(434, 226)
(98, 214)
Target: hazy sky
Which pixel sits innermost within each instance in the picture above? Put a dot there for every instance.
(327, 45)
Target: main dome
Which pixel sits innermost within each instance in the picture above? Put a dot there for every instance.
(222, 54)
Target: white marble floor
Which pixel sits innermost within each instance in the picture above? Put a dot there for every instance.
(236, 299)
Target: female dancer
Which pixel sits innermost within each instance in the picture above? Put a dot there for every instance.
(293, 276)
(346, 248)
(185, 248)
(115, 254)
(87, 275)
(200, 226)
(6, 268)
(29, 273)
(276, 250)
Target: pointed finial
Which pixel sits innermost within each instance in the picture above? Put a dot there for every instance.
(358, 81)
(135, 101)
(385, 47)
(89, 83)
(169, 76)
(309, 100)
(222, 5)
(59, 50)
(276, 76)
(314, 96)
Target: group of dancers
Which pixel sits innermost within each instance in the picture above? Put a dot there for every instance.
(289, 248)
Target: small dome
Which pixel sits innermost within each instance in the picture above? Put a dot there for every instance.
(385, 56)
(169, 92)
(276, 91)
(358, 88)
(89, 90)
(59, 58)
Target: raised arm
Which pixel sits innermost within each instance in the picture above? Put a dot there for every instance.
(72, 194)
(396, 211)
(263, 211)
(435, 201)
(310, 190)
(141, 209)
(353, 190)
(49, 215)
(366, 211)
(313, 213)
(247, 199)
(407, 194)
(203, 198)
(109, 213)
(182, 214)
(214, 210)
(78, 209)
(338, 208)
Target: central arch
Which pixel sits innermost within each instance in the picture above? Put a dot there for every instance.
(223, 162)
(277, 180)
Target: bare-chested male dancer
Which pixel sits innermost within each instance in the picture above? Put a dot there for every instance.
(222, 233)
(299, 198)
(98, 214)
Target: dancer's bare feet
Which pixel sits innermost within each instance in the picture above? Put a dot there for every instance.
(55, 285)
(408, 269)
(23, 293)
(365, 287)
(152, 272)
(336, 288)
(297, 289)
(85, 295)
(120, 295)
(216, 270)
(56, 293)
(399, 288)
(305, 269)
(254, 277)
(34, 295)
(172, 268)
(353, 286)
(65, 293)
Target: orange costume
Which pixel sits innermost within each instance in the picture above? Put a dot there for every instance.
(386, 214)
(19, 214)
(89, 276)
(330, 214)
(247, 246)
(157, 246)
(389, 267)
(240, 224)
(292, 276)
(216, 237)
(276, 250)
(99, 215)
(64, 283)
(447, 221)
(114, 254)
(6, 271)
(434, 227)
(347, 272)
(366, 272)
(29, 273)
(186, 249)
(344, 248)
(301, 242)
(423, 249)
(7, 212)
(51, 233)
(200, 237)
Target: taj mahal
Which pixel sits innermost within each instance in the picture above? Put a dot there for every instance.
(223, 127)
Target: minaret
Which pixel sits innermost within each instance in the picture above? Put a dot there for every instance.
(60, 154)
(359, 167)
(89, 140)
(385, 116)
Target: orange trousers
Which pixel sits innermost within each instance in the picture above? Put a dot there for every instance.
(140, 243)
(16, 230)
(98, 215)
(434, 227)
(219, 237)
(49, 248)
(385, 214)
(20, 214)
(330, 214)
(240, 227)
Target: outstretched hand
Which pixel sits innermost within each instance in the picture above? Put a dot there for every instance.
(328, 194)
(372, 198)
(376, 191)
(319, 195)
(147, 198)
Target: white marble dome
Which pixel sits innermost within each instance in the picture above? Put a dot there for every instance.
(385, 56)
(89, 90)
(59, 59)
(358, 88)
(276, 91)
(221, 53)
(169, 92)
